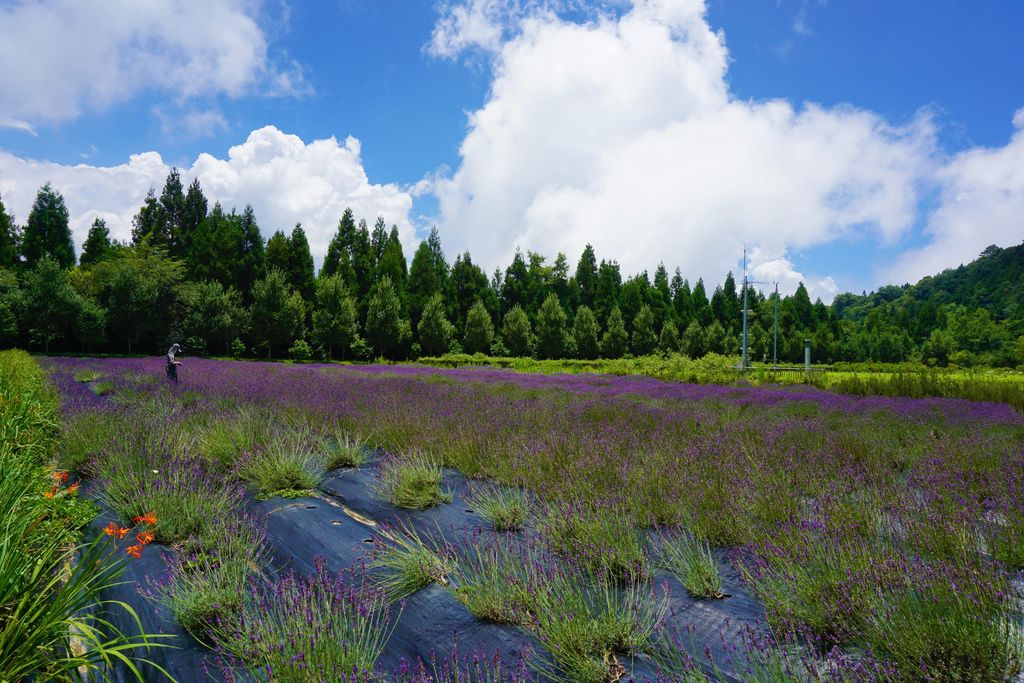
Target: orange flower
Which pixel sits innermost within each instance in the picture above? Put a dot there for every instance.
(73, 488)
(59, 476)
(148, 518)
(144, 537)
(110, 529)
(134, 550)
(51, 493)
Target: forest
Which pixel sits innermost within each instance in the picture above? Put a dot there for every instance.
(206, 278)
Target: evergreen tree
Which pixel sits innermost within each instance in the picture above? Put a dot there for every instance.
(11, 301)
(425, 278)
(172, 214)
(193, 213)
(693, 340)
(732, 310)
(386, 329)
(8, 239)
(479, 329)
(146, 225)
(335, 321)
(340, 252)
(277, 312)
(586, 333)
(586, 277)
(634, 295)
(434, 330)
(278, 255)
(668, 341)
(378, 241)
(300, 264)
(516, 333)
(50, 302)
(515, 287)
(609, 288)
(90, 323)
(468, 285)
(97, 243)
(47, 232)
(250, 261)
(393, 265)
(644, 338)
(615, 339)
(660, 298)
(681, 302)
(363, 264)
(715, 338)
(803, 311)
(702, 312)
(551, 331)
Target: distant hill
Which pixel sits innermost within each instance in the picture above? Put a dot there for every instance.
(994, 281)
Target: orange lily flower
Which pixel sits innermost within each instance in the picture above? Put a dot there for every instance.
(110, 529)
(148, 518)
(73, 488)
(144, 537)
(51, 493)
(134, 550)
(59, 476)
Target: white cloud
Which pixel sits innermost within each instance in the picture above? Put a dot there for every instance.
(621, 132)
(286, 180)
(62, 57)
(981, 203)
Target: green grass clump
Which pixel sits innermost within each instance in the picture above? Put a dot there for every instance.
(404, 562)
(946, 629)
(693, 563)
(84, 437)
(505, 508)
(588, 625)
(290, 463)
(412, 481)
(343, 449)
(224, 439)
(209, 576)
(492, 582)
(103, 388)
(603, 542)
(86, 376)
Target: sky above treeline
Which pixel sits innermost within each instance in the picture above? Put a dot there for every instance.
(845, 144)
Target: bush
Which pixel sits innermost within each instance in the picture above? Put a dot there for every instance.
(237, 348)
(291, 463)
(405, 563)
(300, 351)
(693, 563)
(505, 508)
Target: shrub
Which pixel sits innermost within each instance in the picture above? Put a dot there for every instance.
(222, 440)
(291, 463)
(412, 481)
(602, 542)
(300, 351)
(405, 563)
(343, 449)
(237, 348)
(86, 376)
(492, 581)
(505, 508)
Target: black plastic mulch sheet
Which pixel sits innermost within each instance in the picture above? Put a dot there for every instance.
(183, 658)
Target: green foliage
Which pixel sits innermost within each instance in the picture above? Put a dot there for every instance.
(586, 333)
(300, 351)
(335, 321)
(50, 302)
(615, 339)
(9, 238)
(516, 333)
(97, 243)
(386, 329)
(343, 449)
(603, 542)
(644, 338)
(404, 562)
(668, 341)
(479, 329)
(47, 233)
(434, 331)
(693, 563)
(551, 332)
(290, 462)
(411, 481)
(505, 508)
(209, 316)
(277, 311)
(237, 348)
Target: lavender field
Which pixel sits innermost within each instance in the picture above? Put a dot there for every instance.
(326, 523)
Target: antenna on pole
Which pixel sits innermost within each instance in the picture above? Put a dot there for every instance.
(745, 362)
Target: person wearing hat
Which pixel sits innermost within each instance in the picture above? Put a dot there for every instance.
(172, 365)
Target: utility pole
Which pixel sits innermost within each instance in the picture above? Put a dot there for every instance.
(775, 345)
(745, 362)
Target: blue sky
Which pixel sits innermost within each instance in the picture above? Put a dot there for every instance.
(924, 94)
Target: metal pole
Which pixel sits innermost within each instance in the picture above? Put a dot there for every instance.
(807, 358)
(746, 364)
(775, 344)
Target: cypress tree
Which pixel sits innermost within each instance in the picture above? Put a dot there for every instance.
(668, 341)
(334, 315)
(47, 232)
(586, 277)
(586, 333)
(97, 243)
(278, 254)
(644, 339)
(277, 312)
(516, 333)
(479, 329)
(434, 331)
(693, 340)
(615, 339)
(192, 216)
(300, 264)
(386, 330)
(551, 331)
(172, 214)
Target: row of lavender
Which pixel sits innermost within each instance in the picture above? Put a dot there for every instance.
(884, 533)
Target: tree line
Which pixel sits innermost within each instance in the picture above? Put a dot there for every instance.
(206, 278)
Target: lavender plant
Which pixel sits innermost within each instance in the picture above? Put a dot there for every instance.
(506, 508)
(411, 481)
(692, 562)
(290, 464)
(404, 562)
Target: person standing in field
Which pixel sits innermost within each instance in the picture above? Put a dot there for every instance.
(172, 365)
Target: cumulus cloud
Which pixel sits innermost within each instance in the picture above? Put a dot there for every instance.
(621, 132)
(62, 57)
(981, 203)
(286, 180)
